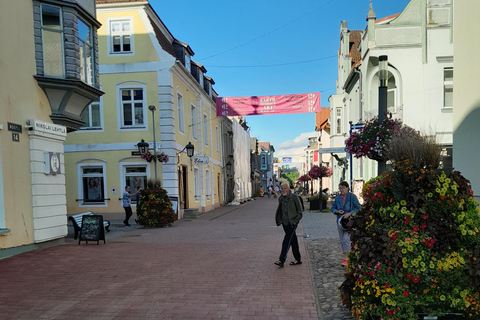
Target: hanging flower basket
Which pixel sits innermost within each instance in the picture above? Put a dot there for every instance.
(372, 139)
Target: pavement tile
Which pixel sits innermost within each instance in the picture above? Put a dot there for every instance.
(219, 266)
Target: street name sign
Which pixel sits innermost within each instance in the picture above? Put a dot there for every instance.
(332, 150)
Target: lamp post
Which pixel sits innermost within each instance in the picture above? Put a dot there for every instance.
(382, 99)
(152, 108)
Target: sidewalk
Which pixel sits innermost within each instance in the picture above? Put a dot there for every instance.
(219, 266)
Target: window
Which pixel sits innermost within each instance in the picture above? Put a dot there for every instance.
(188, 63)
(197, 186)
(92, 117)
(132, 105)
(194, 121)
(135, 177)
(216, 139)
(205, 129)
(85, 41)
(208, 184)
(200, 79)
(92, 184)
(52, 41)
(448, 87)
(121, 36)
(339, 120)
(181, 121)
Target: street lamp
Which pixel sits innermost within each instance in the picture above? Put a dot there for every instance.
(190, 151)
(142, 147)
(382, 100)
(152, 108)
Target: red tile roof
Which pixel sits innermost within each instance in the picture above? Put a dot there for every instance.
(321, 119)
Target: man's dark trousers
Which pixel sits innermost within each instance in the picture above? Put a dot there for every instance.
(290, 239)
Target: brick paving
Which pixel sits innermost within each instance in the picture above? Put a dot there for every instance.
(219, 266)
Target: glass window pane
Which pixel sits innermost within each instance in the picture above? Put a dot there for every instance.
(83, 31)
(116, 44)
(93, 189)
(92, 170)
(127, 114)
(51, 17)
(135, 169)
(126, 43)
(126, 26)
(448, 96)
(448, 74)
(115, 27)
(95, 108)
(138, 94)
(85, 117)
(126, 95)
(52, 53)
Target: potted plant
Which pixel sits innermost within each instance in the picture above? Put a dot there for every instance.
(155, 208)
(415, 242)
(319, 172)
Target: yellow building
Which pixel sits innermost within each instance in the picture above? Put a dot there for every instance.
(153, 92)
(49, 75)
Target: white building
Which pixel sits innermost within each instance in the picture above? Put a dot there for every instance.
(419, 46)
(466, 98)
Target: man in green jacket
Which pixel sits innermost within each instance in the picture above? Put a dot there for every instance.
(289, 213)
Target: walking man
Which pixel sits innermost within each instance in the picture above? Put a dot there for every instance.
(289, 214)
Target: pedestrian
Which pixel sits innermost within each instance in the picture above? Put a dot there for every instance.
(277, 192)
(345, 205)
(288, 214)
(126, 204)
(269, 191)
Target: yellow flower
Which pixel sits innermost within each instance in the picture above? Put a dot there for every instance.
(442, 297)
(447, 180)
(437, 190)
(404, 251)
(403, 202)
(464, 232)
(430, 194)
(392, 215)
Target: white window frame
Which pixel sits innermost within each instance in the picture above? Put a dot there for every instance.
(205, 129)
(449, 84)
(217, 139)
(193, 112)
(121, 125)
(111, 34)
(80, 176)
(181, 113)
(124, 174)
(60, 31)
(200, 78)
(196, 179)
(208, 184)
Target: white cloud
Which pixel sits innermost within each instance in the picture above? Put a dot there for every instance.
(294, 148)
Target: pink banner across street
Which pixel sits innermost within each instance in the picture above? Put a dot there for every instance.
(248, 106)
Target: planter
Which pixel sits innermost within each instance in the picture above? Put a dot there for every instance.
(315, 204)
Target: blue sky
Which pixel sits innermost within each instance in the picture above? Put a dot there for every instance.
(270, 47)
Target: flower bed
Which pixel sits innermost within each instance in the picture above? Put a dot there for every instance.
(415, 247)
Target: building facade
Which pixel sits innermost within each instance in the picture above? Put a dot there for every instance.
(154, 92)
(49, 75)
(419, 45)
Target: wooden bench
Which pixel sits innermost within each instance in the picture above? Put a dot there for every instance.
(77, 223)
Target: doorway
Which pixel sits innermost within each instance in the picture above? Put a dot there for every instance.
(182, 187)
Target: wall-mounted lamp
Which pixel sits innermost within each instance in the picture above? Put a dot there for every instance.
(190, 151)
